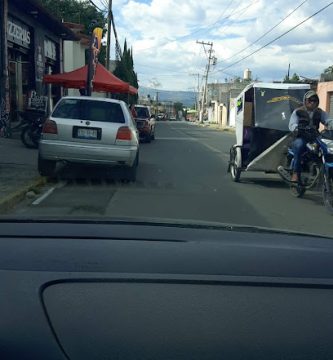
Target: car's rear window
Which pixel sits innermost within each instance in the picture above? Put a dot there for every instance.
(92, 110)
(142, 112)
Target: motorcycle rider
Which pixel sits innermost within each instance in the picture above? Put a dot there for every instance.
(311, 115)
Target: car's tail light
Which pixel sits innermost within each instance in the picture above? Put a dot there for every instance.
(146, 124)
(50, 127)
(124, 133)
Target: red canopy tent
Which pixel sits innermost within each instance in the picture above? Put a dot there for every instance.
(103, 80)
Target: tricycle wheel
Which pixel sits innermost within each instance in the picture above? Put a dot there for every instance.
(235, 170)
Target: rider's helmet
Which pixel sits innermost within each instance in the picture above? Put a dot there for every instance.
(310, 94)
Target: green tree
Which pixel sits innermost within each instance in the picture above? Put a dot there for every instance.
(294, 79)
(125, 71)
(178, 106)
(329, 70)
(79, 12)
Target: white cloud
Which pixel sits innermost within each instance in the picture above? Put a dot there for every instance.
(163, 36)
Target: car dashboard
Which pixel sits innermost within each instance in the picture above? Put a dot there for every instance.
(133, 290)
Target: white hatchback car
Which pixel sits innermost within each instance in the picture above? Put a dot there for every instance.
(89, 130)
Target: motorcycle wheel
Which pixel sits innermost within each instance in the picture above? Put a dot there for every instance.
(327, 192)
(29, 139)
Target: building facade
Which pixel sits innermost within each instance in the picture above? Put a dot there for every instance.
(220, 100)
(34, 47)
(325, 93)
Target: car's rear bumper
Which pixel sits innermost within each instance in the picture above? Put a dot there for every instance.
(144, 132)
(89, 154)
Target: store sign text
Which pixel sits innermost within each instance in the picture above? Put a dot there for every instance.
(50, 49)
(17, 33)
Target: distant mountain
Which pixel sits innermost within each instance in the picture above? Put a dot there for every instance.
(187, 98)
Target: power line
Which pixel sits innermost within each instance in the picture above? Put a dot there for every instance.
(117, 47)
(105, 4)
(267, 32)
(277, 38)
(202, 29)
(93, 4)
(242, 11)
(233, 12)
(211, 25)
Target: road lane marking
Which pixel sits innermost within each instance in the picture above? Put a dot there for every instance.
(49, 192)
(177, 138)
(43, 197)
(211, 148)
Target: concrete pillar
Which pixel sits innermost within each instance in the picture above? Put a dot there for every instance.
(224, 116)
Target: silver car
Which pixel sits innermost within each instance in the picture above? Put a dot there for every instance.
(89, 130)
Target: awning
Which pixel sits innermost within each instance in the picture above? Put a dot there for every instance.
(104, 81)
(133, 90)
(75, 79)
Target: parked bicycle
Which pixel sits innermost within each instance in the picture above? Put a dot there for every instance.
(5, 129)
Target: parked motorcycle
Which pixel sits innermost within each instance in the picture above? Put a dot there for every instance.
(32, 128)
(317, 166)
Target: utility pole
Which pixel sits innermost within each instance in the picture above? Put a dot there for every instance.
(91, 59)
(211, 60)
(197, 102)
(156, 110)
(108, 41)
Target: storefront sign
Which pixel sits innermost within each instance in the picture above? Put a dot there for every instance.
(50, 49)
(18, 33)
(37, 102)
(39, 62)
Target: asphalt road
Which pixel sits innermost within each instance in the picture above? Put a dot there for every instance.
(182, 175)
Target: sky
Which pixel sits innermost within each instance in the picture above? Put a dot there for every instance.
(164, 33)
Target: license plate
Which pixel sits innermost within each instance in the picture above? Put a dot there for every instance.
(87, 133)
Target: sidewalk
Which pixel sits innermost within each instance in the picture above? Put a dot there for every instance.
(18, 172)
(215, 126)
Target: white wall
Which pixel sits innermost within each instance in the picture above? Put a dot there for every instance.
(74, 55)
(74, 58)
(232, 113)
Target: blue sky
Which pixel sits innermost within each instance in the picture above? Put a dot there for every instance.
(163, 35)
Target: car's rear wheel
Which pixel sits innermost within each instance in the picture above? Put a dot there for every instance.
(130, 172)
(148, 138)
(46, 167)
(153, 135)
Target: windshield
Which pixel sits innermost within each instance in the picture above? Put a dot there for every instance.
(275, 106)
(142, 112)
(221, 89)
(89, 110)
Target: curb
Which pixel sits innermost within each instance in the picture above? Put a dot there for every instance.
(215, 127)
(12, 199)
